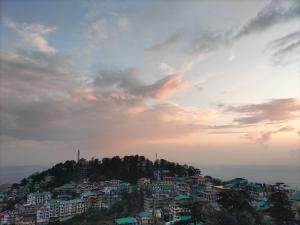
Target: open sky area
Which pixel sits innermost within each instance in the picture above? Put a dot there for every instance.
(208, 82)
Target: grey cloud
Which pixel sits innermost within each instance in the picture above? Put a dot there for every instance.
(129, 83)
(285, 49)
(275, 12)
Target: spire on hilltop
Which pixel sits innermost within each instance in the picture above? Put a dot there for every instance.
(78, 155)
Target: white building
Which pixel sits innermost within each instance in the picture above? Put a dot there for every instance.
(38, 198)
(71, 208)
(43, 215)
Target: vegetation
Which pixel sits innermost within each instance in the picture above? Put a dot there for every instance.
(129, 169)
(281, 207)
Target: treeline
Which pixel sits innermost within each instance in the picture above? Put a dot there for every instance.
(235, 208)
(128, 168)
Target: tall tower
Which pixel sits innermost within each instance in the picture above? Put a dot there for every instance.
(78, 155)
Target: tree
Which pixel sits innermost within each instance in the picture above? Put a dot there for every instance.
(280, 207)
(236, 201)
(237, 208)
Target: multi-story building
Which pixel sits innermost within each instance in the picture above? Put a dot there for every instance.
(38, 198)
(70, 208)
(176, 209)
(43, 215)
(7, 217)
(156, 201)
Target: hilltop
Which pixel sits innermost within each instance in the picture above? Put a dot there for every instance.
(128, 169)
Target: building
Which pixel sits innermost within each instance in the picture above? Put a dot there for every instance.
(146, 218)
(156, 201)
(38, 198)
(176, 209)
(7, 217)
(68, 209)
(295, 200)
(43, 215)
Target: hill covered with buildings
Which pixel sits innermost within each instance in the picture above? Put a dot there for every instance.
(134, 190)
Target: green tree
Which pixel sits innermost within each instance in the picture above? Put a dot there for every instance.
(236, 201)
(281, 208)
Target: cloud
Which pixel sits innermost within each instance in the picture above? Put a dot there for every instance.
(96, 33)
(128, 85)
(43, 99)
(286, 48)
(35, 34)
(265, 136)
(165, 43)
(275, 12)
(104, 30)
(276, 110)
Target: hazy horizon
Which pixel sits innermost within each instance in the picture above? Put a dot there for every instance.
(269, 174)
(208, 82)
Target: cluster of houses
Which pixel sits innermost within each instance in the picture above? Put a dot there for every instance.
(164, 199)
(64, 202)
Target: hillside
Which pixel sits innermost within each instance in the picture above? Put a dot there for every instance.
(128, 168)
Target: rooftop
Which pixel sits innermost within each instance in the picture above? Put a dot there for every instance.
(145, 214)
(125, 220)
(181, 197)
(295, 197)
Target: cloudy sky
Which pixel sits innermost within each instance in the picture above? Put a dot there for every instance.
(212, 82)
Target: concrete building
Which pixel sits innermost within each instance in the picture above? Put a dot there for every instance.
(38, 198)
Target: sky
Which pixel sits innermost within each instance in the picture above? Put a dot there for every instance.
(206, 82)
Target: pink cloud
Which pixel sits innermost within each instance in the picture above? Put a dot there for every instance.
(272, 111)
(35, 34)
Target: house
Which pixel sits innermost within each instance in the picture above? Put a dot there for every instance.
(38, 198)
(176, 206)
(43, 215)
(7, 217)
(262, 204)
(146, 218)
(295, 200)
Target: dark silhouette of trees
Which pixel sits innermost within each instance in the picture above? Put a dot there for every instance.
(280, 207)
(128, 168)
(236, 201)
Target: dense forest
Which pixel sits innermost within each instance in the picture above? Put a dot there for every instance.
(128, 168)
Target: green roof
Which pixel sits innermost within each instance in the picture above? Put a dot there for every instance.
(181, 197)
(125, 220)
(68, 186)
(145, 214)
(296, 197)
(262, 204)
(185, 218)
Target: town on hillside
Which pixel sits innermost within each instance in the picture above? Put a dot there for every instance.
(163, 197)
